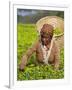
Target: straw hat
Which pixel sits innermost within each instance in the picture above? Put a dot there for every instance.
(55, 21)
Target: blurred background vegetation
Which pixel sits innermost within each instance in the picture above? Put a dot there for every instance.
(32, 16)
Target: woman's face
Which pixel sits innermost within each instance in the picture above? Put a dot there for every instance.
(46, 34)
(46, 38)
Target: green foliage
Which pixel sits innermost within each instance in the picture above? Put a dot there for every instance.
(57, 31)
(27, 34)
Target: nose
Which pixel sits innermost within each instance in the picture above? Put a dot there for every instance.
(43, 39)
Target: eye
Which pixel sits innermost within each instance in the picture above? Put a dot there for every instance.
(42, 36)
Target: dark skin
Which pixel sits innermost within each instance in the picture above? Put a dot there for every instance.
(46, 36)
